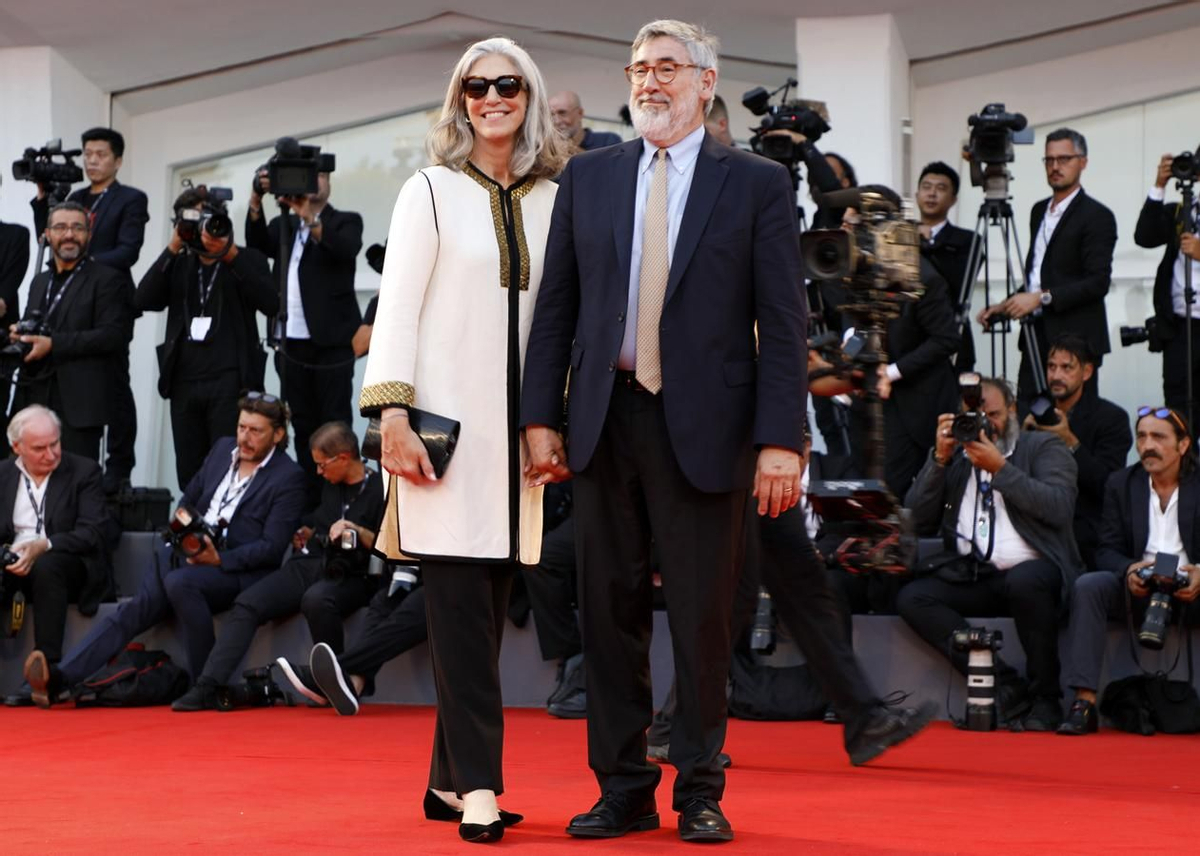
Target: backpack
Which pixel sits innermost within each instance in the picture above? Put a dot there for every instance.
(134, 678)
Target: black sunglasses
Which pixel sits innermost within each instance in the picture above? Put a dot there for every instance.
(255, 395)
(507, 86)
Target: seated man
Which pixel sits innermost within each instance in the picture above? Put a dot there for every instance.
(52, 513)
(1003, 507)
(1150, 507)
(324, 579)
(253, 494)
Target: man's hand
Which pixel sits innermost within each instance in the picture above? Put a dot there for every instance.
(404, 454)
(361, 343)
(207, 556)
(1189, 244)
(1164, 171)
(1188, 593)
(1136, 586)
(175, 245)
(945, 443)
(546, 460)
(255, 198)
(777, 480)
(29, 552)
(1060, 429)
(42, 345)
(300, 538)
(1022, 304)
(884, 385)
(983, 453)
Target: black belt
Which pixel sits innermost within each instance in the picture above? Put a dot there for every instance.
(629, 379)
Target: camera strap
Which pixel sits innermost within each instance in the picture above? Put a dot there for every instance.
(985, 517)
(58, 294)
(205, 291)
(346, 503)
(39, 509)
(233, 490)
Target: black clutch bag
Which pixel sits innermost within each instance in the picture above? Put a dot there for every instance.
(438, 433)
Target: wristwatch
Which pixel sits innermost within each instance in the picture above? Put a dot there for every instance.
(1046, 298)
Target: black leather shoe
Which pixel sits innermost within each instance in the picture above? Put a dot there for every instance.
(831, 716)
(614, 815)
(202, 696)
(701, 819)
(437, 809)
(481, 833)
(1045, 716)
(21, 698)
(1083, 719)
(1012, 696)
(888, 727)
(572, 705)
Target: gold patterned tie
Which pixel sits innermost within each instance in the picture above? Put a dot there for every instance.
(652, 279)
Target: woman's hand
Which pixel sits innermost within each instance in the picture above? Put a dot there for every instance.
(404, 454)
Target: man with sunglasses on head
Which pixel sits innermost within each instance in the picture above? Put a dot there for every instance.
(77, 324)
(1068, 268)
(1151, 508)
(212, 290)
(252, 494)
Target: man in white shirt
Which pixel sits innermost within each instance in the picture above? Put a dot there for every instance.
(1150, 508)
(1173, 228)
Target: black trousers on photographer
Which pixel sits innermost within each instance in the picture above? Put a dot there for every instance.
(318, 386)
(1174, 372)
(202, 410)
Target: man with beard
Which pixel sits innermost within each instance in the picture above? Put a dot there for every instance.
(87, 314)
(1093, 428)
(1150, 507)
(1003, 508)
(1069, 266)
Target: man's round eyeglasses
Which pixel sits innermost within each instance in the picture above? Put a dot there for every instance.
(63, 228)
(664, 72)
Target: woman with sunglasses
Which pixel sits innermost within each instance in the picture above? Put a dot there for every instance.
(460, 280)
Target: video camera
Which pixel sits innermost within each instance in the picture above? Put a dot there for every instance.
(810, 118)
(212, 217)
(293, 169)
(990, 147)
(13, 354)
(1163, 578)
(50, 167)
(187, 530)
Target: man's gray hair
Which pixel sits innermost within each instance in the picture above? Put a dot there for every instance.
(702, 46)
(1076, 139)
(16, 425)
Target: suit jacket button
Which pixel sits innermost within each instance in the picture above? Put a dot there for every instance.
(620, 317)
(612, 367)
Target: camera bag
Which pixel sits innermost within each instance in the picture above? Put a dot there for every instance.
(1149, 702)
(134, 678)
(762, 692)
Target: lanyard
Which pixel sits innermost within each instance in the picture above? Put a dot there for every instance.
(361, 487)
(62, 289)
(94, 211)
(206, 291)
(39, 511)
(233, 493)
(985, 517)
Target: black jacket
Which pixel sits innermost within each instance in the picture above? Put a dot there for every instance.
(14, 262)
(118, 229)
(1126, 524)
(949, 251)
(1076, 270)
(1160, 225)
(75, 519)
(326, 272)
(91, 325)
(1104, 441)
(242, 288)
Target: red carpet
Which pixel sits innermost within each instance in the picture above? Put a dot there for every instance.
(307, 781)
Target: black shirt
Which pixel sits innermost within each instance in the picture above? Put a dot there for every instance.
(208, 293)
(360, 503)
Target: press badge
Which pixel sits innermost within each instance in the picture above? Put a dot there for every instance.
(201, 324)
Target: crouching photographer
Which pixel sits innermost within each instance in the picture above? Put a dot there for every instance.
(1002, 500)
(1149, 534)
(211, 289)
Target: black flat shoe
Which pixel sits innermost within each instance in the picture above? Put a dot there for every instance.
(437, 809)
(479, 833)
(614, 815)
(701, 819)
(887, 728)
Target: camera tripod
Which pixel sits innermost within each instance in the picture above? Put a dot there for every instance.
(1185, 188)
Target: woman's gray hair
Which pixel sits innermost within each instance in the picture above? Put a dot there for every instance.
(702, 46)
(16, 425)
(540, 150)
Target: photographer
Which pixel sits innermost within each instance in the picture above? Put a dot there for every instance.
(1151, 507)
(1170, 227)
(1093, 428)
(1069, 266)
(14, 261)
(1002, 500)
(76, 325)
(211, 289)
(325, 578)
(117, 219)
(322, 308)
(252, 495)
(945, 245)
(56, 534)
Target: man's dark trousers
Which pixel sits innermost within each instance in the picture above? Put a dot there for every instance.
(318, 385)
(633, 489)
(394, 625)
(56, 579)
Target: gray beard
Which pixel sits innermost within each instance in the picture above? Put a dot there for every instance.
(658, 124)
(1008, 440)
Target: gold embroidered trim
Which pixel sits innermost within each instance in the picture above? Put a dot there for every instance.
(517, 194)
(391, 394)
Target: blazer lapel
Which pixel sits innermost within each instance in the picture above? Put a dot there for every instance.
(56, 489)
(1075, 205)
(706, 186)
(78, 284)
(1139, 512)
(9, 479)
(624, 177)
(1187, 515)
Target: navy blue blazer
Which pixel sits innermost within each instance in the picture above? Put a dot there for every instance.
(118, 228)
(267, 516)
(736, 263)
(1125, 528)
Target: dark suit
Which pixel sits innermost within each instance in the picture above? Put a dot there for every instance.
(319, 374)
(1160, 225)
(950, 252)
(14, 262)
(674, 466)
(255, 540)
(78, 564)
(90, 329)
(1077, 271)
(119, 220)
(593, 140)
(1124, 531)
(1102, 429)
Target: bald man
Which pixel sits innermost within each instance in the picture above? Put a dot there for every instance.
(717, 122)
(567, 112)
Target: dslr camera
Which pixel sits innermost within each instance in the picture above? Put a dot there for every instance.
(212, 217)
(13, 354)
(293, 169)
(50, 167)
(990, 147)
(810, 118)
(1149, 332)
(259, 690)
(1186, 167)
(342, 556)
(968, 423)
(186, 531)
(1163, 578)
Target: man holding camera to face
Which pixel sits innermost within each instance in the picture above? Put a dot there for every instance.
(212, 290)
(77, 324)
(1149, 534)
(234, 522)
(1002, 500)
(321, 306)
(326, 576)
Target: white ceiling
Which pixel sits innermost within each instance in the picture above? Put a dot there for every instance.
(127, 44)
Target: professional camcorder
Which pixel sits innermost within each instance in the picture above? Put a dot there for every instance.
(293, 169)
(212, 217)
(13, 354)
(810, 118)
(186, 531)
(990, 147)
(50, 167)
(1186, 167)
(1163, 578)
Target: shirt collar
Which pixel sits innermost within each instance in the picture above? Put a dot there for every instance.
(933, 230)
(234, 457)
(1057, 210)
(682, 155)
(32, 480)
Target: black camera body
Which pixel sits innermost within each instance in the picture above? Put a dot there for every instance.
(51, 167)
(8, 556)
(1150, 332)
(977, 639)
(187, 529)
(810, 118)
(1186, 167)
(258, 690)
(211, 217)
(13, 354)
(994, 131)
(1043, 410)
(1163, 578)
(980, 645)
(293, 169)
(343, 558)
(971, 420)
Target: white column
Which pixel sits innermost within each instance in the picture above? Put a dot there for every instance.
(859, 67)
